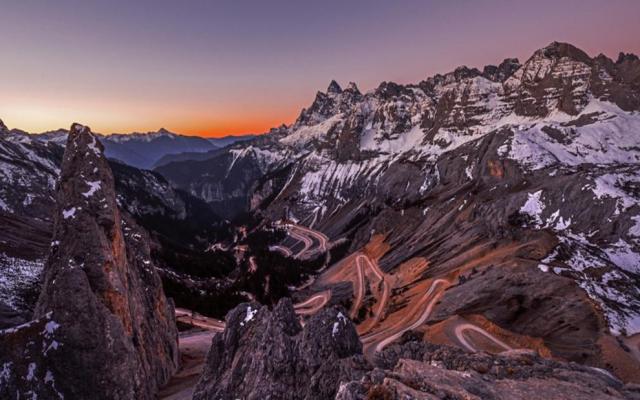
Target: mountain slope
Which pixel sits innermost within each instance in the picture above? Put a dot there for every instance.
(514, 187)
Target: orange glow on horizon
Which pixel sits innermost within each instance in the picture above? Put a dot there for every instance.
(36, 118)
(233, 127)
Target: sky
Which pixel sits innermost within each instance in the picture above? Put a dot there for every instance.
(219, 67)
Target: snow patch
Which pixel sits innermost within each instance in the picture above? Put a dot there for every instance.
(635, 229)
(50, 328)
(622, 255)
(5, 373)
(469, 171)
(70, 213)
(93, 146)
(534, 207)
(342, 320)
(94, 186)
(249, 315)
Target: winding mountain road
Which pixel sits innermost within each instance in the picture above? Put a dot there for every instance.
(460, 329)
(306, 241)
(377, 341)
(313, 304)
(307, 236)
(285, 251)
(363, 261)
(386, 289)
(359, 289)
(190, 318)
(367, 269)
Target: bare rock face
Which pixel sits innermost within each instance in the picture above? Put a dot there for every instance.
(115, 333)
(266, 354)
(417, 370)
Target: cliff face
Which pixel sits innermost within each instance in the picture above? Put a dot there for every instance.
(115, 331)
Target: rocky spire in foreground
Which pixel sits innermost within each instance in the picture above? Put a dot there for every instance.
(104, 328)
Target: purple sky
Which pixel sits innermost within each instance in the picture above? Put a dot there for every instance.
(217, 67)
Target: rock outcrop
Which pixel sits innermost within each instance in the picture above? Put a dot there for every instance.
(418, 370)
(103, 327)
(265, 354)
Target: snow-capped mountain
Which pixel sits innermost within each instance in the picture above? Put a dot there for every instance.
(539, 160)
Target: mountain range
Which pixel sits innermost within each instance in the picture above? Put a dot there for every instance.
(145, 150)
(472, 235)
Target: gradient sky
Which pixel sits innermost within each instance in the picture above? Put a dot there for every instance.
(227, 67)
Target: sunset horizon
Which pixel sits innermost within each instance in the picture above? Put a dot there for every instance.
(217, 70)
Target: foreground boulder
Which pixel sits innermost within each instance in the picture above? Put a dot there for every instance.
(103, 327)
(265, 354)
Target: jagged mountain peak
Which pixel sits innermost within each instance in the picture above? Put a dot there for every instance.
(334, 88)
(81, 139)
(79, 129)
(334, 101)
(555, 50)
(387, 90)
(3, 127)
(503, 71)
(624, 57)
(556, 59)
(558, 78)
(352, 87)
(511, 61)
(464, 72)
